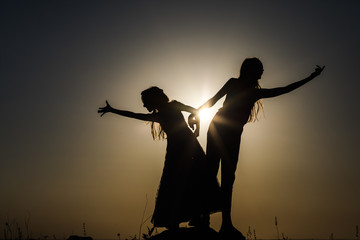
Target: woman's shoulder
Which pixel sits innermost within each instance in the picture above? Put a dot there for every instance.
(173, 103)
(232, 81)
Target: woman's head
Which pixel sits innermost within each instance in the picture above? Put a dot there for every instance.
(153, 97)
(251, 71)
(251, 68)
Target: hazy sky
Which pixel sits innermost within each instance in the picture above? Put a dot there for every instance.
(64, 165)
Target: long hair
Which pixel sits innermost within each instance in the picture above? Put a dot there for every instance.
(250, 68)
(154, 97)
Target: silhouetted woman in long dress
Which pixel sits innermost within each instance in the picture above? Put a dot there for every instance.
(182, 192)
(241, 105)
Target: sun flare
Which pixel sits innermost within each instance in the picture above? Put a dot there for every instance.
(206, 114)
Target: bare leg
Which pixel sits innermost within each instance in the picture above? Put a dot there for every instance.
(227, 230)
(228, 168)
(229, 159)
(226, 192)
(224, 143)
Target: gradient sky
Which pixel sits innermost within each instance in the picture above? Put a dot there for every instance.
(64, 165)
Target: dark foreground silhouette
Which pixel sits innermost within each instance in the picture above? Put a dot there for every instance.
(192, 233)
(75, 237)
(185, 193)
(188, 190)
(242, 103)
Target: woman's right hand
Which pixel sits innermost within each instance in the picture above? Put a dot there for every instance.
(105, 109)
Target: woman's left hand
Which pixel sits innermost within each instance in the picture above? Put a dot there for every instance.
(317, 71)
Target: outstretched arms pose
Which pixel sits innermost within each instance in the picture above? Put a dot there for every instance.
(151, 117)
(140, 116)
(261, 93)
(274, 92)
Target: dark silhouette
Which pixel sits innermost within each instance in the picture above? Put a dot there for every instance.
(188, 234)
(75, 237)
(242, 104)
(183, 194)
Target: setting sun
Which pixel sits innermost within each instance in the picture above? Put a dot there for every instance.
(206, 114)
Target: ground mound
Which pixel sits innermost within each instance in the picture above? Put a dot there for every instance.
(188, 234)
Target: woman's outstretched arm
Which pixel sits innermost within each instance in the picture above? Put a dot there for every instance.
(273, 92)
(211, 102)
(193, 118)
(140, 116)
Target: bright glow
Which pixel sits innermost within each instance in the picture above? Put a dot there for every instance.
(206, 114)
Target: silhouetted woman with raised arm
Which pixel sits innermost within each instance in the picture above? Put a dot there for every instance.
(181, 195)
(242, 104)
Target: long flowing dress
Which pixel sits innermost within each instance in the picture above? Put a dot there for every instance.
(185, 191)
